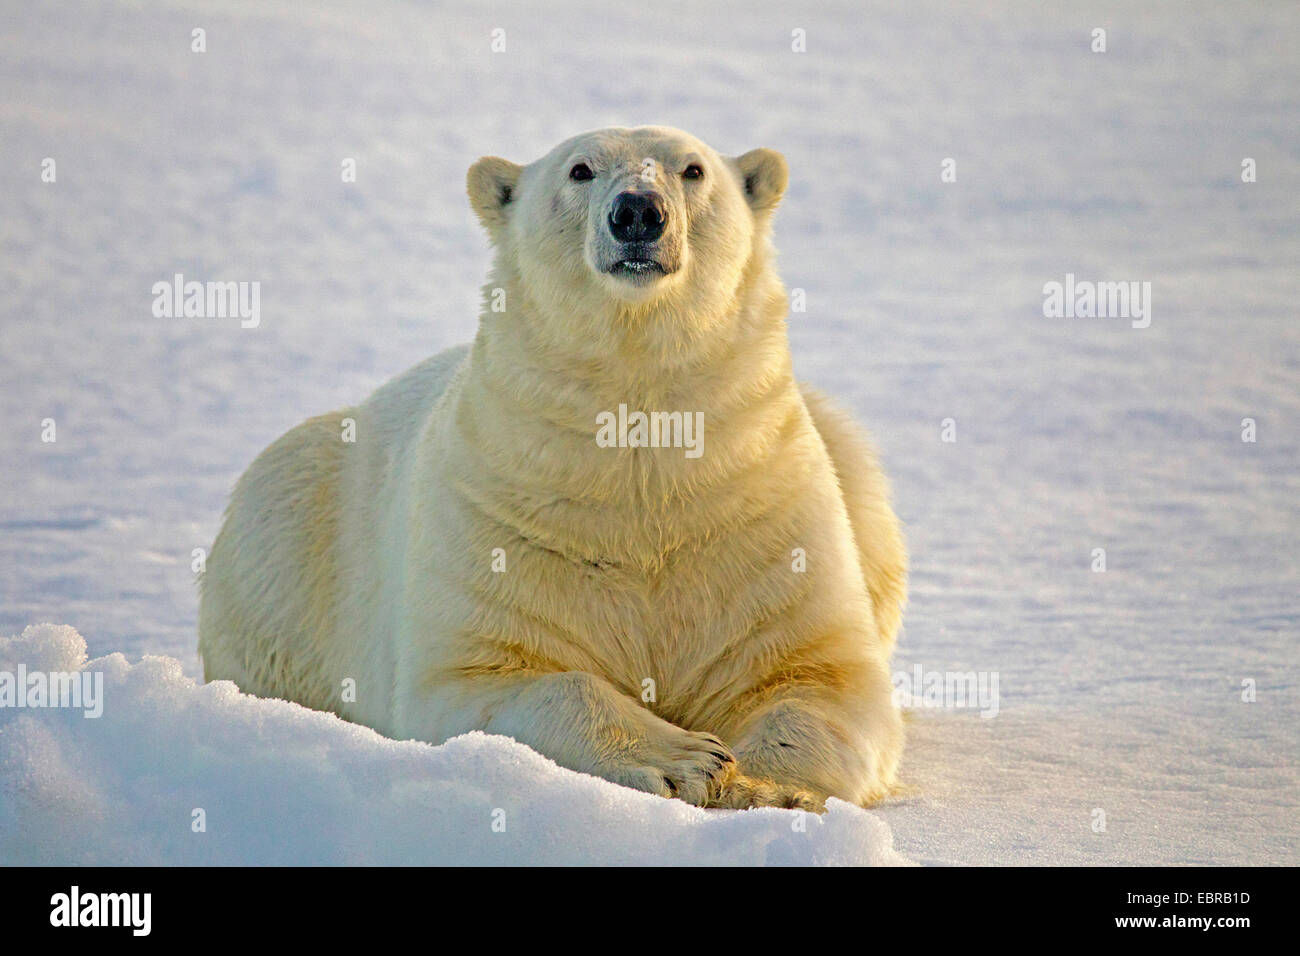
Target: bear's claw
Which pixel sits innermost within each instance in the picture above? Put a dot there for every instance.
(691, 767)
(741, 793)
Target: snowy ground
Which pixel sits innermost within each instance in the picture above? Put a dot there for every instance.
(1119, 691)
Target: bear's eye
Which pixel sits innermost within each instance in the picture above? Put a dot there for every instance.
(581, 173)
(693, 171)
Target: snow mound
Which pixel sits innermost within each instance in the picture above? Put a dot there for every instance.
(280, 784)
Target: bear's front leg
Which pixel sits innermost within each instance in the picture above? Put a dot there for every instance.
(821, 741)
(582, 722)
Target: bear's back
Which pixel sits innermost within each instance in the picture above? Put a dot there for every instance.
(275, 612)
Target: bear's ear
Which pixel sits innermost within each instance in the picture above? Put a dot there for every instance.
(491, 183)
(763, 175)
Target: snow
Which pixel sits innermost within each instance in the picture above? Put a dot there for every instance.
(1119, 691)
(279, 784)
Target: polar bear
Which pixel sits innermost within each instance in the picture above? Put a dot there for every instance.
(700, 605)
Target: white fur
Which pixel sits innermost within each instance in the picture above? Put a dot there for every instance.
(374, 560)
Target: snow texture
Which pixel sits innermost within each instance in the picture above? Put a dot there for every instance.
(283, 785)
(1120, 691)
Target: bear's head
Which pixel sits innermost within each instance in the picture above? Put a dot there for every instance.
(621, 228)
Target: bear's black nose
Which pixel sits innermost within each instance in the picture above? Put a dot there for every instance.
(638, 217)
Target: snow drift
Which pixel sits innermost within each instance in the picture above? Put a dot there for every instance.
(272, 782)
